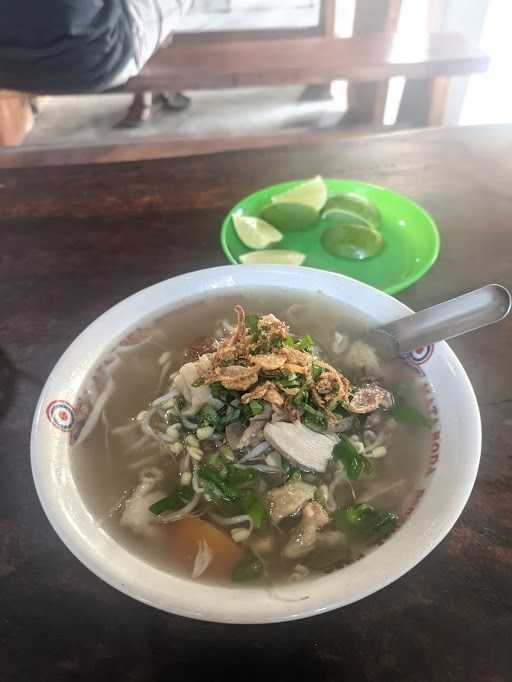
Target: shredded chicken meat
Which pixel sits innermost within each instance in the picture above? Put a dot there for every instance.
(289, 499)
(303, 539)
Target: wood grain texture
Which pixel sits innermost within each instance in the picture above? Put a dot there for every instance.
(328, 18)
(171, 147)
(423, 101)
(367, 101)
(78, 239)
(369, 57)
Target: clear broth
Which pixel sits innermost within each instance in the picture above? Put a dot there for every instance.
(106, 473)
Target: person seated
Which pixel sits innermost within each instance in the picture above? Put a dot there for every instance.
(85, 46)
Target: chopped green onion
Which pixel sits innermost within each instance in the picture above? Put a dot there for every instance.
(313, 417)
(173, 502)
(290, 471)
(291, 380)
(305, 344)
(207, 416)
(217, 389)
(249, 568)
(252, 409)
(288, 342)
(256, 407)
(237, 476)
(352, 460)
(406, 413)
(251, 322)
(366, 522)
(220, 393)
(302, 395)
(254, 508)
(338, 409)
(218, 485)
(217, 462)
(317, 372)
(228, 415)
(267, 344)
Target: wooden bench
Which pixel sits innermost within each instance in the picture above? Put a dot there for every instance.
(314, 57)
(368, 59)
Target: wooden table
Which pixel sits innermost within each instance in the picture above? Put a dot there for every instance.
(76, 240)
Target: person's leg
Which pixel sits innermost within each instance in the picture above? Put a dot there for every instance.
(139, 111)
(152, 23)
(174, 100)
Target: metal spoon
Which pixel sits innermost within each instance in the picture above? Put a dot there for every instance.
(444, 321)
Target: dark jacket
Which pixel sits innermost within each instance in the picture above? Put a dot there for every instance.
(59, 46)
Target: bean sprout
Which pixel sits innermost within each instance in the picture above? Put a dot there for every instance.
(151, 459)
(149, 430)
(263, 468)
(195, 482)
(163, 373)
(232, 520)
(138, 443)
(122, 430)
(203, 559)
(164, 398)
(191, 426)
(95, 414)
(106, 429)
(185, 464)
(370, 496)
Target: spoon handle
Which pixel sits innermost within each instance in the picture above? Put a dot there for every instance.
(457, 316)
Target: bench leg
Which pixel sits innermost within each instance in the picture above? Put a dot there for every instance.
(139, 111)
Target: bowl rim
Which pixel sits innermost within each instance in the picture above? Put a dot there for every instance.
(239, 612)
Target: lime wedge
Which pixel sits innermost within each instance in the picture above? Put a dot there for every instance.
(352, 241)
(275, 256)
(290, 217)
(312, 193)
(255, 232)
(356, 205)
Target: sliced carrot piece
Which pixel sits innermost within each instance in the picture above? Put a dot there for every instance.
(184, 539)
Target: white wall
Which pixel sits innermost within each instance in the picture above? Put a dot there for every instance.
(225, 15)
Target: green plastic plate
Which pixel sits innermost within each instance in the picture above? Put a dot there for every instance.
(410, 235)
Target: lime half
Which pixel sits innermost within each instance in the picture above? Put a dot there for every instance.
(290, 217)
(356, 205)
(312, 193)
(354, 241)
(255, 232)
(274, 256)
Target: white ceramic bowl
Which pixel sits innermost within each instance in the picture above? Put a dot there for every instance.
(441, 498)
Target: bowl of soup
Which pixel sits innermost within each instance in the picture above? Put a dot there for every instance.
(231, 445)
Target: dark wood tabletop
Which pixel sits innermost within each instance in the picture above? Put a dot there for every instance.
(78, 239)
